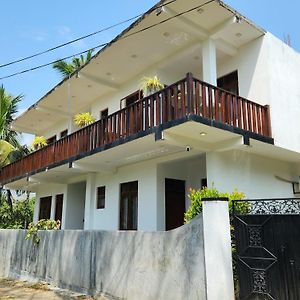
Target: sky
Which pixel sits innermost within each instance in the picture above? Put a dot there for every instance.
(31, 26)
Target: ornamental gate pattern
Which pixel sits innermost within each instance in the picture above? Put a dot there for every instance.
(267, 237)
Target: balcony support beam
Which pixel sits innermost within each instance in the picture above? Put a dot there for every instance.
(209, 61)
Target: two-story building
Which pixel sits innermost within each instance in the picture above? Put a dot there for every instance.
(228, 116)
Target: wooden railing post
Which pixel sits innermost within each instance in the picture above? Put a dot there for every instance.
(268, 121)
(190, 91)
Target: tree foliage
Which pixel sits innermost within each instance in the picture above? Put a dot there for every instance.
(196, 197)
(66, 69)
(10, 147)
(43, 224)
(17, 217)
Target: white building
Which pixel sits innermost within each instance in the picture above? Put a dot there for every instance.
(133, 169)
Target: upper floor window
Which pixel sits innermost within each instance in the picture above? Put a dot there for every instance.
(51, 140)
(64, 133)
(104, 113)
(130, 99)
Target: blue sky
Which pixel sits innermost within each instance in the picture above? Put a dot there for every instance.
(31, 26)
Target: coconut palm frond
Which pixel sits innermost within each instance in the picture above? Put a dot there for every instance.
(64, 68)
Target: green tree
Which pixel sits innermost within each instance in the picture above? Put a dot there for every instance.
(66, 69)
(19, 216)
(10, 147)
(8, 109)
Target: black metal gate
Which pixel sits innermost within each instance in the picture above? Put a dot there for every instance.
(267, 237)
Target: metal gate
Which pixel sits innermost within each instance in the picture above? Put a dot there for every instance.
(267, 237)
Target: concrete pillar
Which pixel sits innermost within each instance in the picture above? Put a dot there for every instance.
(36, 210)
(209, 61)
(90, 205)
(217, 249)
(53, 206)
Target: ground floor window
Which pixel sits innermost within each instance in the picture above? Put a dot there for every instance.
(45, 208)
(129, 206)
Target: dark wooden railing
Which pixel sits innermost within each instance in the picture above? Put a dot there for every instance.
(185, 97)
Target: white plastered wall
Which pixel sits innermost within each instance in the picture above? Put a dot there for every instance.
(50, 190)
(252, 174)
(191, 170)
(108, 218)
(269, 72)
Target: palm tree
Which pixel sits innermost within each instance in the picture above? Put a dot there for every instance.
(10, 147)
(8, 109)
(66, 69)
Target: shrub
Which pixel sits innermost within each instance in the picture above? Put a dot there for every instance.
(42, 224)
(196, 197)
(17, 216)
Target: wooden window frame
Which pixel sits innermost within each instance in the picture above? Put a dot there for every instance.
(129, 209)
(100, 194)
(42, 199)
(63, 133)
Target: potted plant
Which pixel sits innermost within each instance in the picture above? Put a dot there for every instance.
(39, 142)
(151, 85)
(83, 119)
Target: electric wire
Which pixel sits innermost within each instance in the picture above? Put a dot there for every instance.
(107, 43)
(78, 39)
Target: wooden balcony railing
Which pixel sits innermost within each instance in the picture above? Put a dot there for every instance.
(185, 97)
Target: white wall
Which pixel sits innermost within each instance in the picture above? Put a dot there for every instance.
(191, 170)
(108, 218)
(46, 191)
(269, 72)
(151, 191)
(252, 174)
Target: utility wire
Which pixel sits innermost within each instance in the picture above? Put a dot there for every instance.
(105, 44)
(78, 39)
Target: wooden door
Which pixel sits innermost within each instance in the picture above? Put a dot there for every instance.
(59, 207)
(229, 83)
(174, 203)
(129, 206)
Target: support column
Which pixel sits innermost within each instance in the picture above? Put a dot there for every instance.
(53, 206)
(209, 61)
(90, 205)
(217, 249)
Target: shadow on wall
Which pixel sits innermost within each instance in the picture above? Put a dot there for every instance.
(127, 265)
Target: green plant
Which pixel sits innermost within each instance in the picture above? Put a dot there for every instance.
(42, 224)
(18, 215)
(196, 197)
(151, 85)
(84, 119)
(39, 142)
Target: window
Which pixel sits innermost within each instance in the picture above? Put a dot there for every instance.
(129, 206)
(45, 208)
(100, 197)
(203, 183)
(104, 113)
(130, 99)
(51, 140)
(64, 133)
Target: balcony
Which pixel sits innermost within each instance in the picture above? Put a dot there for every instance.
(187, 99)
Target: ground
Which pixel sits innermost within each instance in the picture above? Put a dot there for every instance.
(22, 290)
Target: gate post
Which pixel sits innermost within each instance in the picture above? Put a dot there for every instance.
(217, 249)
